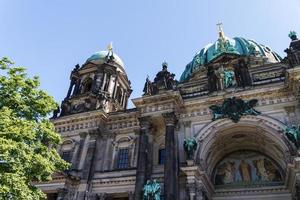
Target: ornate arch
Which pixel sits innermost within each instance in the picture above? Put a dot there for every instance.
(257, 133)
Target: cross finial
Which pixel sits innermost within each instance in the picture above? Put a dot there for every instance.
(221, 33)
(110, 46)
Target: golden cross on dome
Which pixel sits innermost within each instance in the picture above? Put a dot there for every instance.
(221, 33)
(110, 46)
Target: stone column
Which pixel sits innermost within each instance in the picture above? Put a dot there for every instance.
(171, 162)
(77, 87)
(141, 174)
(72, 82)
(104, 81)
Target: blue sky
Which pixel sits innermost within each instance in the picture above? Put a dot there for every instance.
(50, 37)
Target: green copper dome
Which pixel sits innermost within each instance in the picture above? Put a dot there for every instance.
(100, 57)
(224, 45)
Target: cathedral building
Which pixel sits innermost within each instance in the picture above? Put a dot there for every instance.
(227, 129)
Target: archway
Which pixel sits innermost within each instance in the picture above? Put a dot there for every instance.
(261, 138)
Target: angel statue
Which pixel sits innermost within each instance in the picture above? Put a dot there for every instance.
(151, 190)
(234, 108)
(293, 134)
(190, 146)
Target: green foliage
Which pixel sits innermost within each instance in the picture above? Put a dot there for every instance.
(27, 138)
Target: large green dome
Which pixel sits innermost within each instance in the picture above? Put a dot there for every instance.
(224, 45)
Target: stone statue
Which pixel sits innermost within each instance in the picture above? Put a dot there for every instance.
(148, 88)
(220, 78)
(212, 79)
(190, 146)
(245, 171)
(233, 108)
(293, 134)
(151, 190)
(229, 172)
(261, 170)
(293, 35)
(56, 112)
(228, 78)
(243, 74)
(164, 79)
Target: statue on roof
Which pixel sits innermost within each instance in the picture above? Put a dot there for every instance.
(242, 74)
(212, 79)
(148, 88)
(293, 35)
(223, 44)
(164, 79)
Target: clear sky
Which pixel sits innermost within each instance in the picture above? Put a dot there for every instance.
(50, 37)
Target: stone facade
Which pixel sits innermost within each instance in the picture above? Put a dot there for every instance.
(114, 151)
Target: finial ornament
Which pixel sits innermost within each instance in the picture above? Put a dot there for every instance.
(293, 35)
(220, 30)
(165, 64)
(110, 46)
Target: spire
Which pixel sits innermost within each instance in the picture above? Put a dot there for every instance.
(110, 54)
(220, 30)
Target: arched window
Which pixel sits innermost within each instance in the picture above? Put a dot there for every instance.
(87, 85)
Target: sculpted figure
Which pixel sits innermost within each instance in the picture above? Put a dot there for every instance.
(164, 79)
(244, 74)
(190, 146)
(293, 134)
(245, 171)
(229, 173)
(212, 79)
(56, 112)
(261, 170)
(220, 78)
(151, 190)
(228, 78)
(148, 88)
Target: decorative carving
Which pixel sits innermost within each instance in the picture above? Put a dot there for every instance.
(151, 190)
(170, 118)
(293, 35)
(233, 108)
(293, 52)
(145, 122)
(190, 146)
(293, 134)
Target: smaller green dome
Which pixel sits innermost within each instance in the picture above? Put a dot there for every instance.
(100, 57)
